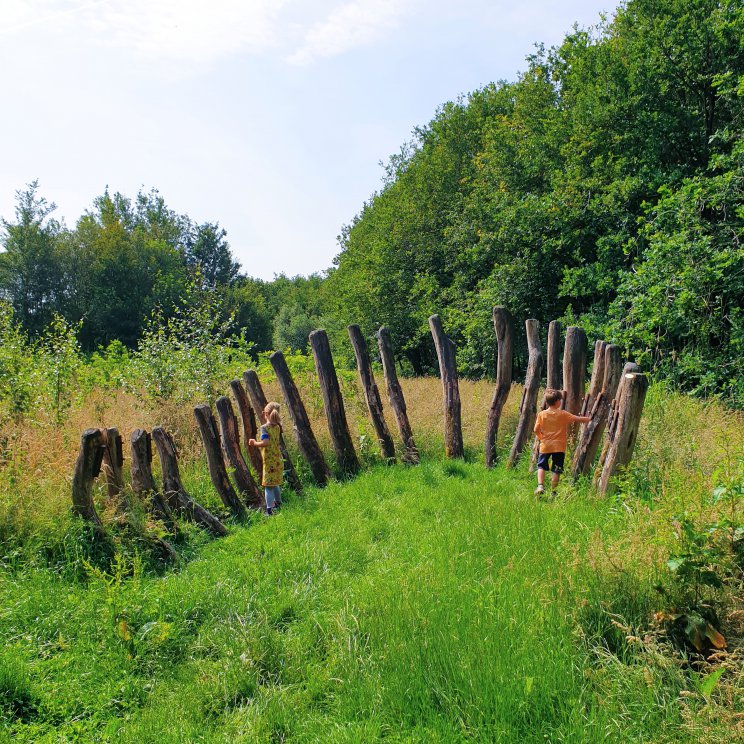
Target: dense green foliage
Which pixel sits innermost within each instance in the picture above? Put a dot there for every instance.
(435, 604)
(605, 185)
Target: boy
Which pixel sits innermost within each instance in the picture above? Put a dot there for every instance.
(551, 428)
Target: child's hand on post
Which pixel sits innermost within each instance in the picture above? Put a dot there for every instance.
(251, 442)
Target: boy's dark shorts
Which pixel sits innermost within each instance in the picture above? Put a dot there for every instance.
(557, 457)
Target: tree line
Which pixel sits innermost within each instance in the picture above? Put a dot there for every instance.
(604, 186)
(128, 260)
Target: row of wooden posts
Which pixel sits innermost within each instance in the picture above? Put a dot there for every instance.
(614, 402)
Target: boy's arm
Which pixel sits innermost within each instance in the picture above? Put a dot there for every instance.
(579, 419)
(538, 430)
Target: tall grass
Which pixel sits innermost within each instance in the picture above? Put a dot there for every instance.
(440, 603)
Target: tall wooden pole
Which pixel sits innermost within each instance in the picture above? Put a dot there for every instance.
(248, 422)
(215, 462)
(173, 490)
(143, 482)
(333, 403)
(597, 379)
(371, 393)
(629, 410)
(528, 405)
(258, 404)
(453, 445)
(395, 396)
(113, 461)
(503, 324)
(574, 368)
(629, 369)
(231, 448)
(591, 434)
(554, 371)
(306, 440)
(87, 468)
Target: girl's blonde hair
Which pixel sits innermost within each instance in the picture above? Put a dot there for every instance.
(271, 413)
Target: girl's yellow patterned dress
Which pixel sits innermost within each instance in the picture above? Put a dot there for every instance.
(273, 466)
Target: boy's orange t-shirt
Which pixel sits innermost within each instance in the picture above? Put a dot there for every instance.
(551, 428)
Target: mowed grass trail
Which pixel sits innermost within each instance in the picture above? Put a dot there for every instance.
(432, 604)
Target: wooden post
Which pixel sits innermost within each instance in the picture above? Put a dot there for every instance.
(87, 467)
(231, 448)
(554, 377)
(628, 419)
(574, 368)
(333, 403)
(591, 433)
(453, 446)
(629, 368)
(597, 379)
(371, 393)
(528, 405)
(503, 324)
(215, 462)
(258, 403)
(113, 460)
(175, 494)
(395, 396)
(306, 440)
(248, 421)
(143, 483)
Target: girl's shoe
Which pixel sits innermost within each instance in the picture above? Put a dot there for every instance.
(540, 490)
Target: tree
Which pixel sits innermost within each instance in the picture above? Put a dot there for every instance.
(30, 275)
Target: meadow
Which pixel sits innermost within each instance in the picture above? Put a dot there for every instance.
(439, 603)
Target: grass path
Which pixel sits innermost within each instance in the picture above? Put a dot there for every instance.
(432, 604)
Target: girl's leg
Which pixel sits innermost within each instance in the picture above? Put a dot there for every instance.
(269, 493)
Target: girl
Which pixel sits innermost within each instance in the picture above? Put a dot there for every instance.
(273, 465)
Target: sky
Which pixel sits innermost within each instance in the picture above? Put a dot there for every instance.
(271, 117)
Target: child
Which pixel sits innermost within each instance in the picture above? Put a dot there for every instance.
(551, 428)
(273, 465)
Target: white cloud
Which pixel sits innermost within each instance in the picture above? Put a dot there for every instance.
(349, 26)
(207, 30)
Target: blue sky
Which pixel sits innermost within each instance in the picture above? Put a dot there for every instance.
(270, 117)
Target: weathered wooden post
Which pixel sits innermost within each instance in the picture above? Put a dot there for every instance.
(113, 460)
(215, 462)
(248, 421)
(395, 396)
(554, 376)
(143, 482)
(371, 393)
(87, 467)
(333, 403)
(574, 368)
(629, 368)
(258, 403)
(591, 433)
(597, 378)
(503, 324)
(628, 419)
(528, 404)
(174, 492)
(453, 445)
(231, 447)
(306, 440)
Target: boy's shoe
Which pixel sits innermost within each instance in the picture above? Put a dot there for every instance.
(540, 490)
